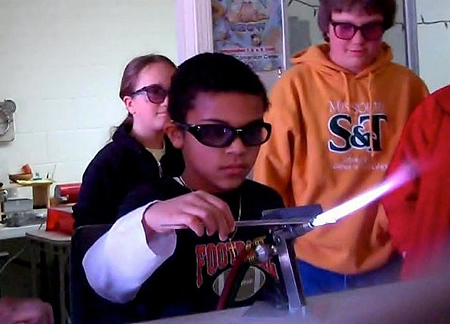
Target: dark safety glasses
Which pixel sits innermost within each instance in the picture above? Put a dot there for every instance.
(155, 93)
(372, 31)
(220, 135)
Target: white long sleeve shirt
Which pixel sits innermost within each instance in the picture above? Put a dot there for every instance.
(120, 261)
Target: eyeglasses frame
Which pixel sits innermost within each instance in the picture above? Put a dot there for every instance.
(357, 28)
(145, 89)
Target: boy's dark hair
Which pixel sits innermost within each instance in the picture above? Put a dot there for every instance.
(387, 8)
(211, 73)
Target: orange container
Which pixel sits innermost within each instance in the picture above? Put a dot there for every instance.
(60, 219)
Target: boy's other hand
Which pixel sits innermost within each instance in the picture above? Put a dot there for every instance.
(199, 211)
(25, 310)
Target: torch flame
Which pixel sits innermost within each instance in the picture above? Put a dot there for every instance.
(396, 180)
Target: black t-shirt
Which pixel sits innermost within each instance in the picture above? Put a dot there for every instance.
(192, 279)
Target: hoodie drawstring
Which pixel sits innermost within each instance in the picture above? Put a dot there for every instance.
(347, 90)
(369, 86)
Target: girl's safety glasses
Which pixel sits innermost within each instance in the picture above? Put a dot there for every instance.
(372, 31)
(155, 93)
(221, 135)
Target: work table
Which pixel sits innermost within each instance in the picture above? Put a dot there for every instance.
(20, 231)
(421, 301)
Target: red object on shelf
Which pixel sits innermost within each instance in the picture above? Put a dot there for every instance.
(67, 193)
(60, 219)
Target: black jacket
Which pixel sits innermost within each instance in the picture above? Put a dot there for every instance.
(115, 171)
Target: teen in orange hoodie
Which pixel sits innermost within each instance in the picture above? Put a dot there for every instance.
(337, 116)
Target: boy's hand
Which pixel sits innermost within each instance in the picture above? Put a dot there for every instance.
(198, 211)
(25, 310)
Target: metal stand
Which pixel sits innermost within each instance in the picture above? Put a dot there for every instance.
(285, 225)
(291, 274)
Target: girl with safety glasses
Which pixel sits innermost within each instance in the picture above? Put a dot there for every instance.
(139, 151)
(146, 261)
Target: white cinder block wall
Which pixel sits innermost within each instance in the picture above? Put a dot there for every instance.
(434, 42)
(61, 62)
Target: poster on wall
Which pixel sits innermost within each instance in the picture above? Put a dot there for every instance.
(250, 30)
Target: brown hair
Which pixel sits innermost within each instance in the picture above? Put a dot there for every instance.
(131, 74)
(386, 8)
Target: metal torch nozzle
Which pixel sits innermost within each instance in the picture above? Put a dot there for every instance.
(292, 231)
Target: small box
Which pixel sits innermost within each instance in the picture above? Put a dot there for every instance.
(60, 219)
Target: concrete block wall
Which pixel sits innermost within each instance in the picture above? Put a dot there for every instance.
(434, 42)
(61, 62)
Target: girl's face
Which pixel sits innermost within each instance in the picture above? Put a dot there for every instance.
(148, 116)
(358, 52)
(218, 169)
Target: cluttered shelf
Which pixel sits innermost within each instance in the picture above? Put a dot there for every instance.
(40, 194)
(19, 213)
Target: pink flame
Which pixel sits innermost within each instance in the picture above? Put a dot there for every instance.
(397, 179)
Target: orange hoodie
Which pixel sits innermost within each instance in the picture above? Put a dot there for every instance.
(334, 134)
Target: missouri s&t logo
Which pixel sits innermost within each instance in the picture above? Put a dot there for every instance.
(356, 134)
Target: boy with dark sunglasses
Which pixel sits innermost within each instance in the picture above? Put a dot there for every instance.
(337, 115)
(216, 104)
